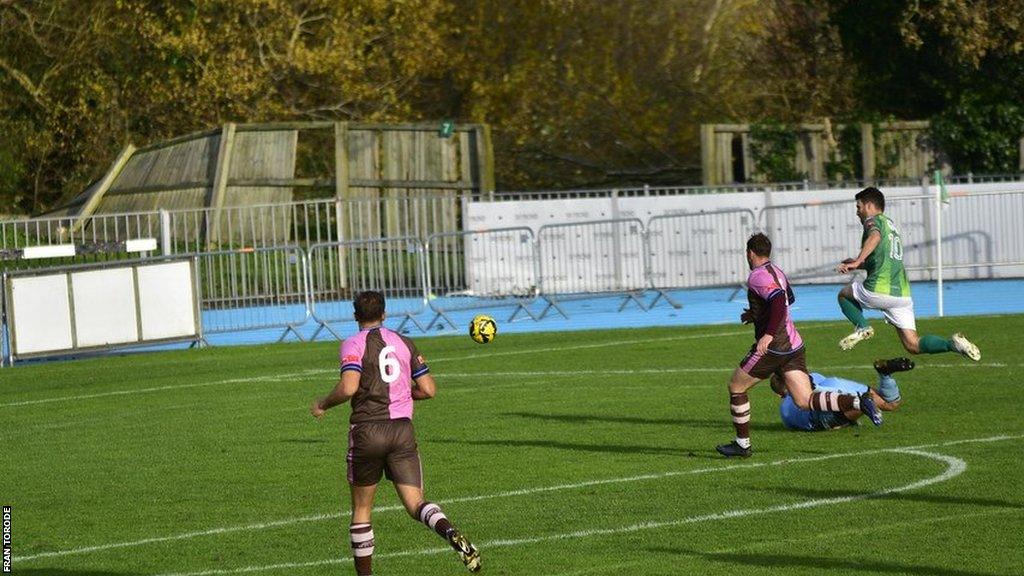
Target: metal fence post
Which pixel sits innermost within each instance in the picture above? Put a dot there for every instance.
(3, 320)
(166, 247)
(938, 245)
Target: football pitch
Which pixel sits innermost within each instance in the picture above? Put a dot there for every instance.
(573, 453)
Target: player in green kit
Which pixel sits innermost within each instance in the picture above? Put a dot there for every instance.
(886, 287)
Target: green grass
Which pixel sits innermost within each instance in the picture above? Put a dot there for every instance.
(221, 438)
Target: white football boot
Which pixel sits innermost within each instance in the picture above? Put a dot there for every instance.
(966, 347)
(853, 339)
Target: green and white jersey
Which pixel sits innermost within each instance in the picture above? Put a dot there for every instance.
(885, 264)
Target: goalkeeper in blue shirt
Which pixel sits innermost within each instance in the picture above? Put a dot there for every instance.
(886, 397)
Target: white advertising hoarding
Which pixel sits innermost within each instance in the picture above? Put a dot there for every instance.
(88, 307)
(104, 307)
(40, 308)
(811, 230)
(167, 301)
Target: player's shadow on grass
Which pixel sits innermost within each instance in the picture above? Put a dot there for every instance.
(62, 572)
(912, 496)
(721, 423)
(828, 565)
(601, 448)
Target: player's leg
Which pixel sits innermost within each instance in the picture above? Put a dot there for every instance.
(927, 344)
(793, 418)
(405, 470)
(931, 344)
(911, 341)
(888, 391)
(361, 528)
(853, 309)
(852, 415)
(900, 313)
(365, 460)
(739, 406)
(798, 383)
(810, 417)
(434, 518)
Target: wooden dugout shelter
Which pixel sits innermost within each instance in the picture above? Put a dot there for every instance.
(237, 165)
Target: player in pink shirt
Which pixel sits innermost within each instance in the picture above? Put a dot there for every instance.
(778, 349)
(382, 373)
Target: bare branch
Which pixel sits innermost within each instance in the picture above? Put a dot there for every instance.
(33, 90)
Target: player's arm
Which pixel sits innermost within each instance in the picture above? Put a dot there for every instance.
(874, 239)
(747, 316)
(343, 391)
(776, 316)
(424, 387)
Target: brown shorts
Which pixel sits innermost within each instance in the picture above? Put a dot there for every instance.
(762, 366)
(387, 446)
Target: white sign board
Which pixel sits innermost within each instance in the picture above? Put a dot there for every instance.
(40, 310)
(105, 307)
(82, 309)
(167, 301)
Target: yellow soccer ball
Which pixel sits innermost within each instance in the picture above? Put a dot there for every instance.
(482, 329)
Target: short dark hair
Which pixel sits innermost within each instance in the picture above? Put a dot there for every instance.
(369, 306)
(872, 195)
(760, 244)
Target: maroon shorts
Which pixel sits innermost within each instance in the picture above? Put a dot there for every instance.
(383, 446)
(762, 366)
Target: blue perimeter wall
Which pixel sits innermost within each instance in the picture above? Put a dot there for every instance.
(700, 307)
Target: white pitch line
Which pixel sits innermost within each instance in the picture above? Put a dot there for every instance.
(680, 370)
(954, 467)
(562, 348)
(508, 494)
(818, 536)
(268, 378)
(835, 534)
(280, 377)
(313, 372)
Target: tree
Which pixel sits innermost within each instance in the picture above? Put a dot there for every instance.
(78, 80)
(599, 93)
(955, 62)
(51, 78)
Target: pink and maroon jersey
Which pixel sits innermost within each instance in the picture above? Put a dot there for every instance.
(388, 363)
(765, 283)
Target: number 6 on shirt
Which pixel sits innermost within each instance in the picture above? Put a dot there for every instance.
(390, 369)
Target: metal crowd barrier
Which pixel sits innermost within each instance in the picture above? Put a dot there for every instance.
(257, 226)
(254, 288)
(812, 238)
(269, 287)
(94, 235)
(481, 269)
(595, 257)
(311, 222)
(982, 242)
(340, 270)
(688, 250)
